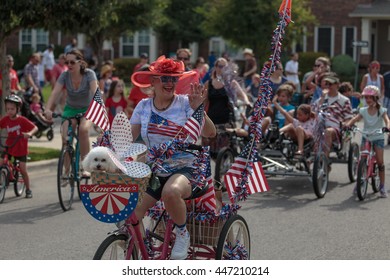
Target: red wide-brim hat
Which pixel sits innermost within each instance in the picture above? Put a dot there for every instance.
(161, 67)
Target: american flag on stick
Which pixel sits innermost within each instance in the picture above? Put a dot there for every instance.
(193, 126)
(256, 181)
(207, 201)
(97, 113)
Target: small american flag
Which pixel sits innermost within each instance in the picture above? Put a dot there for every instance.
(256, 179)
(162, 126)
(193, 126)
(97, 113)
(207, 201)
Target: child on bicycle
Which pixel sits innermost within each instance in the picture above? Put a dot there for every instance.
(19, 129)
(300, 128)
(374, 117)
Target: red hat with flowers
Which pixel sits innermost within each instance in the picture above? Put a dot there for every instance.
(161, 67)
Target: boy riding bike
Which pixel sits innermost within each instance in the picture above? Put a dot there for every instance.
(19, 129)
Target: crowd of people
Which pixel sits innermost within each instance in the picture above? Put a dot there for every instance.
(168, 91)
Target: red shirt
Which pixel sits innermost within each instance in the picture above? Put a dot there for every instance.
(114, 108)
(13, 76)
(15, 128)
(136, 95)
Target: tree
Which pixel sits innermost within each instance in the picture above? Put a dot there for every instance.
(250, 23)
(179, 21)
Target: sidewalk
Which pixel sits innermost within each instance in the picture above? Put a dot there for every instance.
(55, 143)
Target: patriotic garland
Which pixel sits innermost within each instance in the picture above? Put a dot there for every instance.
(261, 104)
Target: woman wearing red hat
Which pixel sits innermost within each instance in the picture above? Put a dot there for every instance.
(159, 119)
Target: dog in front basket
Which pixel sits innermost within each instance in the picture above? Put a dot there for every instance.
(99, 159)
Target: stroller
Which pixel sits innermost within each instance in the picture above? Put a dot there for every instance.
(42, 125)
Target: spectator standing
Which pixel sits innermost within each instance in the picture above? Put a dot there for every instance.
(184, 55)
(13, 77)
(386, 101)
(31, 74)
(48, 62)
(116, 101)
(143, 60)
(105, 79)
(374, 78)
(292, 71)
(72, 45)
(57, 70)
(250, 66)
(201, 67)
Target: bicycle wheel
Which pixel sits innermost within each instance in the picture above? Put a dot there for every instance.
(362, 179)
(320, 175)
(3, 183)
(225, 159)
(114, 247)
(375, 180)
(65, 179)
(19, 185)
(234, 236)
(353, 158)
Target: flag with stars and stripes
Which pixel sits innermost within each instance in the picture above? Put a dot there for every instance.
(193, 126)
(162, 126)
(207, 201)
(97, 113)
(256, 181)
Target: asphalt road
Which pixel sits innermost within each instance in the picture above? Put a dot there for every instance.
(288, 222)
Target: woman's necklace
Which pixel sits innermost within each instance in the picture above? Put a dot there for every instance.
(163, 108)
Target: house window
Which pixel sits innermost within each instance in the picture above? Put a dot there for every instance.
(349, 35)
(134, 45)
(33, 39)
(324, 40)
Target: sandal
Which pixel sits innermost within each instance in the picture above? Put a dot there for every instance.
(298, 154)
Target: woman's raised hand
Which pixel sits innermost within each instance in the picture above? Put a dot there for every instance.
(197, 96)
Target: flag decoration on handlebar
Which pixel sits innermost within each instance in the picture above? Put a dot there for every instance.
(246, 170)
(97, 113)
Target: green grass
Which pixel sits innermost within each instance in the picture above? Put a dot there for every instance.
(39, 153)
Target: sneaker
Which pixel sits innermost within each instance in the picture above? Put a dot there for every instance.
(383, 192)
(28, 194)
(180, 248)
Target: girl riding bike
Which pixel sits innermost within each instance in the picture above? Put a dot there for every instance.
(374, 117)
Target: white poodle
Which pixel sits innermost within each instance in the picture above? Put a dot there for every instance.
(98, 159)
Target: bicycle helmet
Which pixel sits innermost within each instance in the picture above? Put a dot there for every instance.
(14, 99)
(371, 91)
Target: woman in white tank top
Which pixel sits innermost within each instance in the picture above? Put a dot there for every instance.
(374, 78)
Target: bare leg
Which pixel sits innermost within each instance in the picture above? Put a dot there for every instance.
(85, 126)
(300, 137)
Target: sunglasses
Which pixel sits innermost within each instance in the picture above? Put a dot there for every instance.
(329, 84)
(71, 62)
(221, 66)
(183, 58)
(317, 65)
(167, 79)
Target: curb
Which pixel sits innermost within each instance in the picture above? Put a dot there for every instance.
(42, 165)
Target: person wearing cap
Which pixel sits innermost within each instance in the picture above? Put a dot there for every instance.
(143, 60)
(105, 79)
(337, 106)
(374, 117)
(158, 120)
(48, 62)
(250, 66)
(374, 78)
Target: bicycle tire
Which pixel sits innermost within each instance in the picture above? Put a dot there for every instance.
(114, 247)
(225, 159)
(3, 183)
(234, 232)
(65, 179)
(19, 184)
(320, 175)
(362, 179)
(375, 180)
(353, 161)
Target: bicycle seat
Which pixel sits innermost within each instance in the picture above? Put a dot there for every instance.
(198, 192)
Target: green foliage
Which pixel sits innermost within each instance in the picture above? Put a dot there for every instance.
(124, 68)
(343, 65)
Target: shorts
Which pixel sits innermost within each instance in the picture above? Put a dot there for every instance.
(376, 143)
(20, 158)
(155, 192)
(71, 112)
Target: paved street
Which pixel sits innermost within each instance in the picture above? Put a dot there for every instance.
(288, 222)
